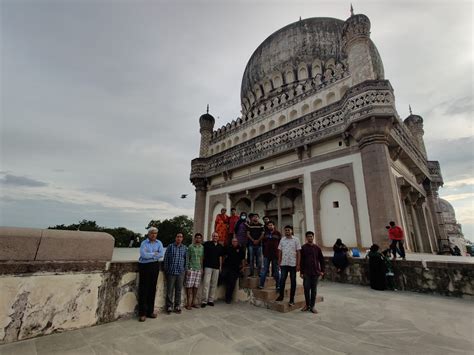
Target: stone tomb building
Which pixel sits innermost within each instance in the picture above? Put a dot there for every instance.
(320, 145)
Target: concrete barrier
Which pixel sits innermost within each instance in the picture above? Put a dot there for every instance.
(31, 244)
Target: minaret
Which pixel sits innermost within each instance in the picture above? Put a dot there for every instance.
(363, 59)
(206, 124)
(414, 123)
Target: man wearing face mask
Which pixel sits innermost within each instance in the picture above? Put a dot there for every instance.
(240, 230)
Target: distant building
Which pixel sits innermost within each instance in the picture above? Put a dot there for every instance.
(452, 227)
(319, 144)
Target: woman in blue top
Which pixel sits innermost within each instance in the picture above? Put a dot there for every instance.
(151, 250)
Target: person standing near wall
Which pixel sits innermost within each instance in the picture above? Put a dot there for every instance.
(175, 267)
(255, 232)
(233, 219)
(271, 241)
(221, 226)
(396, 235)
(240, 230)
(312, 267)
(213, 253)
(233, 265)
(289, 262)
(151, 251)
(194, 270)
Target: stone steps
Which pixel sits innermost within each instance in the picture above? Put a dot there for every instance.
(266, 297)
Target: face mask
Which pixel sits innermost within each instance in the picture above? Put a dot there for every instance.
(243, 217)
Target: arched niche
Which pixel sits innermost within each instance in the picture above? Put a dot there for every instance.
(293, 114)
(337, 215)
(317, 104)
(305, 109)
(330, 98)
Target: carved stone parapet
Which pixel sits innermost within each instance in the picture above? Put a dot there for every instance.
(435, 172)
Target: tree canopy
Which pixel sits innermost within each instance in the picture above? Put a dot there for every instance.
(121, 235)
(168, 228)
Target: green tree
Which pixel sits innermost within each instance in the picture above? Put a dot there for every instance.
(121, 235)
(168, 228)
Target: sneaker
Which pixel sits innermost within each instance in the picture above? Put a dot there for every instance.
(210, 304)
(305, 309)
(203, 305)
(291, 303)
(260, 287)
(177, 310)
(279, 299)
(169, 310)
(142, 319)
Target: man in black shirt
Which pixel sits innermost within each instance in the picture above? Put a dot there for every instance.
(212, 263)
(233, 264)
(254, 235)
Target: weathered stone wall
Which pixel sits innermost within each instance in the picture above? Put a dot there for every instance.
(40, 298)
(444, 278)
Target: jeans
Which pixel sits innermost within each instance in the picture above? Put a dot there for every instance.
(174, 285)
(310, 284)
(148, 276)
(393, 246)
(255, 253)
(209, 284)
(266, 268)
(284, 274)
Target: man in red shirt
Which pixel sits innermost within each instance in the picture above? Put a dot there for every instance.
(396, 235)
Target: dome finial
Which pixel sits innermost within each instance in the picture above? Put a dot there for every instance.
(207, 109)
(352, 10)
(300, 18)
(409, 108)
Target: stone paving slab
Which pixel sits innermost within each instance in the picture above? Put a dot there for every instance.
(351, 320)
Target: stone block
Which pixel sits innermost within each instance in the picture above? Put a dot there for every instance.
(19, 244)
(75, 245)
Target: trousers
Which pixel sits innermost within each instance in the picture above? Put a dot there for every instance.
(174, 285)
(211, 276)
(148, 276)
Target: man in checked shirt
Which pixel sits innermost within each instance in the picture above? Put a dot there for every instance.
(175, 267)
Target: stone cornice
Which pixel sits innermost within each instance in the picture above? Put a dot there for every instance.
(368, 99)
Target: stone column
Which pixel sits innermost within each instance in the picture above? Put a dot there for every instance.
(372, 137)
(199, 204)
(279, 212)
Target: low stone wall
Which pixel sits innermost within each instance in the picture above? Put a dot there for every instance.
(40, 298)
(443, 278)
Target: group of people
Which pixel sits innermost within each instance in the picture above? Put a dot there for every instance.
(219, 258)
(185, 266)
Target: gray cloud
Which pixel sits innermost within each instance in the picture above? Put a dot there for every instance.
(104, 97)
(13, 180)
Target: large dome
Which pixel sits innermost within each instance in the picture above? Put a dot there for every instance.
(299, 42)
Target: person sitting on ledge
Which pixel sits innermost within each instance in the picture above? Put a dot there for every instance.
(340, 259)
(151, 251)
(377, 268)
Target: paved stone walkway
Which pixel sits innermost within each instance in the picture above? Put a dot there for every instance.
(351, 320)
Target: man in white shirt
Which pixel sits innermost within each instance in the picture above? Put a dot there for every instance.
(289, 262)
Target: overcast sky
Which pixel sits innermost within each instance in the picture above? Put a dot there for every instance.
(100, 100)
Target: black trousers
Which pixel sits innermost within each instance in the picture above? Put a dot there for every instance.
(231, 280)
(147, 287)
(310, 284)
(284, 274)
(393, 246)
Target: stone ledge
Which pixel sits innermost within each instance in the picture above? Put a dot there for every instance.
(31, 244)
(31, 267)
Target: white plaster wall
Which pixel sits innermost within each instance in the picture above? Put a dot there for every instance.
(354, 159)
(337, 222)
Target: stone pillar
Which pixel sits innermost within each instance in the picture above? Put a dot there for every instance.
(200, 204)
(423, 227)
(279, 212)
(372, 137)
